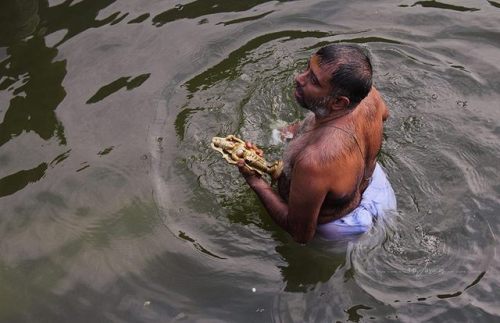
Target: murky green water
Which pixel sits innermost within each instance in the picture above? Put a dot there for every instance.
(115, 209)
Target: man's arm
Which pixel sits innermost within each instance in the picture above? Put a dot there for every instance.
(307, 192)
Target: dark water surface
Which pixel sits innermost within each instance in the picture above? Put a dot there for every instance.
(115, 209)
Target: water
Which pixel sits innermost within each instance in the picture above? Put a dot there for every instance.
(115, 209)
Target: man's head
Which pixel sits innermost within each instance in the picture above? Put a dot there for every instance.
(337, 76)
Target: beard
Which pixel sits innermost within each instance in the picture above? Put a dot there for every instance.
(318, 106)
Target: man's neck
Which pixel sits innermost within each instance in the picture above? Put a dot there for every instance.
(333, 116)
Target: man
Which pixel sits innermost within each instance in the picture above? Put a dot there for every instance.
(331, 183)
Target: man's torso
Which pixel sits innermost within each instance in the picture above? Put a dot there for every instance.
(352, 142)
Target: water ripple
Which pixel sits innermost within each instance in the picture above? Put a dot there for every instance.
(78, 17)
(202, 8)
(122, 82)
(231, 67)
(420, 263)
(250, 18)
(441, 5)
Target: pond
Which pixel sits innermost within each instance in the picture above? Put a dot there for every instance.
(114, 208)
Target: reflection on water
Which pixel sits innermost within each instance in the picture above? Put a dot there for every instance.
(34, 79)
(18, 19)
(240, 20)
(122, 82)
(17, 181)
(75, 17)
(201, 8)
(139, 19)
(441, 5)
(231, 67)
(115, 208)
(308, 266)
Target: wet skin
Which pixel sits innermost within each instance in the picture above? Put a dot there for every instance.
(329, 161)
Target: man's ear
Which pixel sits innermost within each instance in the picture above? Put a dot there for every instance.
(342, 101)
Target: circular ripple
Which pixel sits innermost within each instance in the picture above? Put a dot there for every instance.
(417, 262)
(246, 94)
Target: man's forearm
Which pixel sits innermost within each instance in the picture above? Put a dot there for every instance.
(273, 203)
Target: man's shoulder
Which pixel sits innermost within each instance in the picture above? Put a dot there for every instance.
(373, 107)
(336, 147)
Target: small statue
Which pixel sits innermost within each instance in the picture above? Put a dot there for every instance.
(234, 149)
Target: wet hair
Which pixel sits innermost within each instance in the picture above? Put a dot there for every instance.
(351, 71)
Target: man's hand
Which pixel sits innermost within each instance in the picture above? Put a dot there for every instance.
(254, 147)
(288, 132)
(249, 175)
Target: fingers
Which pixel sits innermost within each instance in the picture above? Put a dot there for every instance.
(244, 170)
(252, 146)
(242, 166)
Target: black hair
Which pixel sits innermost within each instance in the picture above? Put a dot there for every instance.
(351, 71)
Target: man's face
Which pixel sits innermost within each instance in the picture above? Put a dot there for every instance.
(312, 87)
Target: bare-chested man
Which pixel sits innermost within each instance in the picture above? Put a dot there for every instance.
(331, 183)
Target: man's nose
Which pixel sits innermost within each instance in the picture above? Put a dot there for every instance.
(300, 78)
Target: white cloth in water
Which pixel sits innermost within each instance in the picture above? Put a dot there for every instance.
(377, 201)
